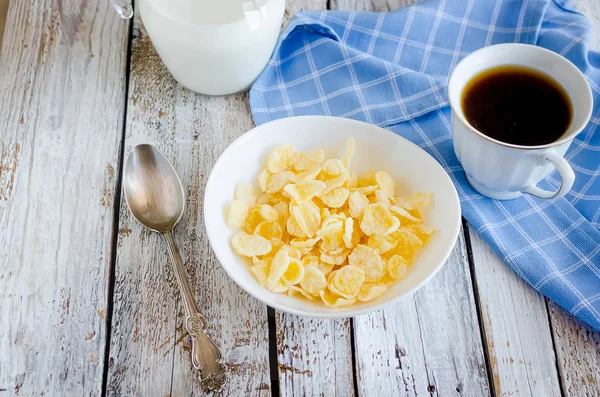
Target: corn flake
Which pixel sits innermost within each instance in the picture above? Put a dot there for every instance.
(293, 291)
(346, 282)
(331, 234)
(261, 272)
(335, 198)
(404, 214)
(245, 192)
(304, 243)
(351, 234)
(277, 182)
(293, 273)
(397, 267)
(333, 167)
(236, 217)
(281, 159)
(279, 265)
(380, 244)
(377, 219)
(307, 160)
(308, 217)
(269, 230)
(347, 158)
(304, 191)
(357, 203)
(370, 291)
(332, 300)
(294, 229)
(334, 259)
(313, 281)
(369, 261)
(263, 199)
(308, 175)
(385, 183)
(250, 245)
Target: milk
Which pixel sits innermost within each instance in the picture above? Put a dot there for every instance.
(213, 47)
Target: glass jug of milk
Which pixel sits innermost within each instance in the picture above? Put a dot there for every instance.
(214, 47)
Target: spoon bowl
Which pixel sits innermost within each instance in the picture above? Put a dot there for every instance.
(152, 189)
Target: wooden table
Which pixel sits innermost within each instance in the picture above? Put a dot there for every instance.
(88, 303)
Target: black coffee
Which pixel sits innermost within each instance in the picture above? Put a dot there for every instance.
(517, 105)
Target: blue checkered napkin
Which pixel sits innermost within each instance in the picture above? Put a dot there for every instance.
(391, 69)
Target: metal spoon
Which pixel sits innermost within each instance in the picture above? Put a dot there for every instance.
(155, 197)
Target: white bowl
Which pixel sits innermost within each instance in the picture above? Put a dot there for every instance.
(376, 149)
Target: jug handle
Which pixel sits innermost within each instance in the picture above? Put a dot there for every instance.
(123, 7)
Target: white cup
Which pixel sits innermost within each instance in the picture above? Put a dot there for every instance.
(502, 170)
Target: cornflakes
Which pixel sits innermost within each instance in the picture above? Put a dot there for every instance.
(304, 191)
(369, 261)
(313, 281)
(250, 245)
(335, 198)
(316, 229)
(281, 159)
(238, 211)
(245, 192)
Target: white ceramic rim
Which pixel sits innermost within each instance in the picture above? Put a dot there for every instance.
(559, 58)
(344, 312)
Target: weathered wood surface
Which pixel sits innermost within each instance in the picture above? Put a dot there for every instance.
(62, 97)
(314, 357)
(515, 324)
(428, 343)
(67, 61)
(150, 350)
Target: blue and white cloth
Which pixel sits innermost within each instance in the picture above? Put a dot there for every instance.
(391, 70)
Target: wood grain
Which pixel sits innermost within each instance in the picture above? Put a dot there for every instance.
(314, 357)
(429, 343)
(515, 323)
(150, 350)
(62, 63)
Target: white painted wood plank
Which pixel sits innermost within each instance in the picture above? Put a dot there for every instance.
(238, 320)
(517, 331)
(314, 356)
(62, 94)
(150, 350)
(429, 343)
(578, 353)
(577, 345)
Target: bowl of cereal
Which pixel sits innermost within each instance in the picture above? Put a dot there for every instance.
(329, 217)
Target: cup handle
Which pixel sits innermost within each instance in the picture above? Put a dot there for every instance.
(566, 173)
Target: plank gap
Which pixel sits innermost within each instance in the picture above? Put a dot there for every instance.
(559, 368)
(353, 349)
(116, 213)
(484, 340)
(273, 363)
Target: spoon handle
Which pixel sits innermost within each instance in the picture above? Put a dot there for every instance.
(206, 356)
